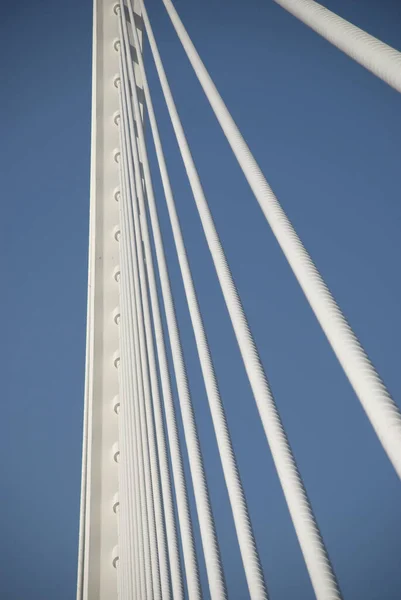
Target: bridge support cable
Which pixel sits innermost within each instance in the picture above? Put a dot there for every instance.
(189, 553)
(161, 580)
(376, 56)
(312, 545)
(135, 491)
(377, 402)
(249, 553)
(143, 427)
(128, 530)
(206, 522)
(134, 415)
(166, 500)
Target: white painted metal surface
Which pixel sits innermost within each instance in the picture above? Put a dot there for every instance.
(129, 538)
(97, 575)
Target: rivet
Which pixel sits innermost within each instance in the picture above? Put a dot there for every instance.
(117, 195)
(116, 9)
(117, 233)
(115, 556)
(116, 155)
(116, 503)
(116, 452)
(116, 360)
(117, 274)
(116, 45)
(116, 404)
(116, 118)
(117, 81)
(116, 315)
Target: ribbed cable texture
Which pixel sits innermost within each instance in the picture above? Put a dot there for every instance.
(314, 551)
(189, 553)
(250, 557)
(161, 581)
(376, 56)
(380, 407)
(206, 522)
(173, 548)
(133, 497)
(142, 517)
(153, 574)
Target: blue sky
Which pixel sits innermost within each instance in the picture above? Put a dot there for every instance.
(326, 134)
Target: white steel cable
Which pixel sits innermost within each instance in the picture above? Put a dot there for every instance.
(188, 544)
(145, 438)
(210, 545)
(249, 553)
(376, 56)
(173, 548)
(129, 497)
(150, 543)
(162, 580)
(379, 406)
(142, 521)
(314, 551)
(126, 406)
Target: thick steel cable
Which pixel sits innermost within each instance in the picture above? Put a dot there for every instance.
(147, 500)
(130, 496)
(249, 553)
(176, 459)
(162, 580)
(184, 516)
(173, 548)
(144, 427)
(381, 409)
(210, 545)
(142, 519)
(133, 494)
(314, 551)
(376, 56)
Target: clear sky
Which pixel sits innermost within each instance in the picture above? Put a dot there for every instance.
(327, 135)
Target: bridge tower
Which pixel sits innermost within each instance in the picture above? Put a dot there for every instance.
(136, 536)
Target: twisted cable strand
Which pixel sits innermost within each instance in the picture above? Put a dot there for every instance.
(208, 533)
(133, 366)
(249, 553)
(313, 549)
(153, 585)
(376, 56)
(170, 528)
(380, 408)
(155, 505)
(189, 552)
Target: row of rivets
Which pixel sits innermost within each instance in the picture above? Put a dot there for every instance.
(116, 312)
